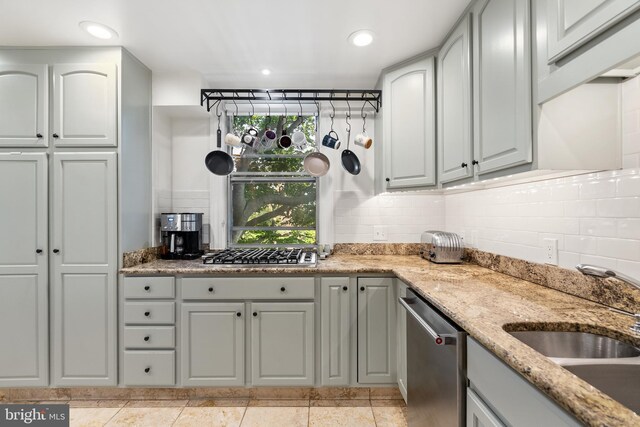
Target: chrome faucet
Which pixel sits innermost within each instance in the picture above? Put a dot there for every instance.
(592, 270)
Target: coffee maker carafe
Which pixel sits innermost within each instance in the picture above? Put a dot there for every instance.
(181, 235)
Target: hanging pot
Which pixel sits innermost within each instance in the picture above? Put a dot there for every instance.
(316, 164)
(219, 162)
(350, 161)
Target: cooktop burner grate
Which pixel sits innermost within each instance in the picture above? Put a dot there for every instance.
(264, 257)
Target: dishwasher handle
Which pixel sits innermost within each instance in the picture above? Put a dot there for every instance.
(439, 339)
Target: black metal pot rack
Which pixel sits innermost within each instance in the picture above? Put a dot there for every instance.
(211, 97)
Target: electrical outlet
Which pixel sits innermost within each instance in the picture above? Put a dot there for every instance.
(551, 251)
(379, 232)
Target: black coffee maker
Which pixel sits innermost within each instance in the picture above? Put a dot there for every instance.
(181, 235)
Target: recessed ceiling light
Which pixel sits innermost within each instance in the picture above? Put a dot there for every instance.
(361, 38)
(266, 71)
(98, 30)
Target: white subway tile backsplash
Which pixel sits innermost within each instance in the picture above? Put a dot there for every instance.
(627, 207)
(629, 228)
(598, 227)
(619, 248)
(580, 208)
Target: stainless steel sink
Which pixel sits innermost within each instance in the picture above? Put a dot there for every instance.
(610, 365)
(581, 345)
(620, 381)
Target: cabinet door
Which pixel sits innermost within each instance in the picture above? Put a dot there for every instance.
(282, 344)
(572, 23)
(335, 327)
(454, 106)
(84, 105)
(401, 328)
(213, 344)
(84, 265)
(502, 84)
(23, 99)
(376, 331)
(478, 414)
(409, 125)
(23, 271)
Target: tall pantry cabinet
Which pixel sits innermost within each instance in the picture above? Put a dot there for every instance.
(75, 154)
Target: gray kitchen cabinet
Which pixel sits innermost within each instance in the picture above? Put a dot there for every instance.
(501, 84)
(454, 105)
(282, 344)
(84, 265)
(511, 398)
(571, 23)
(479, 414)
(335, 334)
(213, 344)
(401, 334)
(376, 331)
(84, 105)
(23, 270)
(24, 90)
(409, 129)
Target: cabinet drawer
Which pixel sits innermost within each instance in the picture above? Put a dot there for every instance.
(254, 288)
(149, 312)
(149, 287)
(511, 397)
(149, 337)
(152, 368)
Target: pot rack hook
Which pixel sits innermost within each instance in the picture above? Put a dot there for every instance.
(300, 102)
(253, 110)
(317, 115)
(218, 113)
(333, 110)
(348, 116)
(364, 117)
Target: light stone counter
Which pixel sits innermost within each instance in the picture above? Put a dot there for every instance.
(484, 303)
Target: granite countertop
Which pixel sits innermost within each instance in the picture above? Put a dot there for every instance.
(484, 303)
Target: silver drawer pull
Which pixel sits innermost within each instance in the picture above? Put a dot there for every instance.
(439, 339)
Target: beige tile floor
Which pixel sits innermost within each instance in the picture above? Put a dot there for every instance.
(239, 412)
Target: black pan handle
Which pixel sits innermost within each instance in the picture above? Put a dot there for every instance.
(219, 138)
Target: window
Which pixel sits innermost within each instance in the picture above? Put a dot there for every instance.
(272, 200)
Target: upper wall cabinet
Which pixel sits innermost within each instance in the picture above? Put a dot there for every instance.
(454, 105)
(23, 100)
(84, 105)
(502, 84)
(409, 125)
(571, 23)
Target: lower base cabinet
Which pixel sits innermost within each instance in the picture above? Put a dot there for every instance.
(213, 344)
(150, 368)
(506, 397)
(376, 331)
(401, 337)
(478, 414)
(282, 344)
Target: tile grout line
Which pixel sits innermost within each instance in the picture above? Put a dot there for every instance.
(244, 413)
(182, 410)
(113, 416)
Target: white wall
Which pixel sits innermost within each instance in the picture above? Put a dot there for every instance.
(180, 180)
(595, 217)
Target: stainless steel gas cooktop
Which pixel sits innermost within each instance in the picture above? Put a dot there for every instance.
(262, 257)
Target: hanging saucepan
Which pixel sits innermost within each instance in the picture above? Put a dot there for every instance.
(219, 162)
(316, 163)
(350, 161)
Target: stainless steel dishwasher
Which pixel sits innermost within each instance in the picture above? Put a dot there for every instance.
(436, 366)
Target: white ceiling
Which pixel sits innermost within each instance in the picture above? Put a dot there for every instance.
(303, 42)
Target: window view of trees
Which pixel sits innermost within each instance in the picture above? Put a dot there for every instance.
(272, 200)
